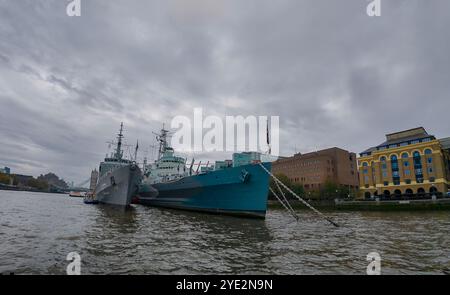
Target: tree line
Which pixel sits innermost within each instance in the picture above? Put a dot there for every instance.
(329, 191)
(45, 182)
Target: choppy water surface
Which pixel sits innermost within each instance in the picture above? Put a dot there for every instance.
(37, 231)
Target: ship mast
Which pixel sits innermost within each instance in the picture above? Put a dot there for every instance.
(119, 143)
(162, 139)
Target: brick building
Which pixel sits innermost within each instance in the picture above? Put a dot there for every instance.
(314, 169)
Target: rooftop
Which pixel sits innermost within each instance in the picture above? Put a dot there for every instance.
(315, 153)
(445, 142)
(400, 138)
(418, 131)
(325, 152)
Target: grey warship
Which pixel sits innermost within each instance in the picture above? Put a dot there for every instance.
(119, 178)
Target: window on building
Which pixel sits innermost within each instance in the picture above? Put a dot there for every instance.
(394, 163)
(408, 181)
(432, 179)
(405, 156)
(418, 167)
(394, 168)
(386, 183)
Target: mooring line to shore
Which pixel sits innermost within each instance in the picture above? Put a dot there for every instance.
(284, 197)
(298, 197)
(289, 209)
(287, 201)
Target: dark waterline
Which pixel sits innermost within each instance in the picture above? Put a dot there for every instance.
(38, 230)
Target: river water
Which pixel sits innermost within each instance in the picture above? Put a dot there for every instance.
(38, 230)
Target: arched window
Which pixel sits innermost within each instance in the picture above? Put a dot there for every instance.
(394, 168)
(418, 167)
(406, 164)
(365, 170)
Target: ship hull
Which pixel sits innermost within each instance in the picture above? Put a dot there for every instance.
(118, 186)
(240, 191)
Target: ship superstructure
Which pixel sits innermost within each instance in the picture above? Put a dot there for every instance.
(118, 178)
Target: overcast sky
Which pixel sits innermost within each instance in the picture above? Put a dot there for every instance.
(335, 76)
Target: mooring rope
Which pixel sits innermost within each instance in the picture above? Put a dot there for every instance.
(284, 205)
(285, 199)
(298, 197)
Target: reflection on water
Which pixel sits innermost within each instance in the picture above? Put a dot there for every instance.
(38, 231)
(151, 240)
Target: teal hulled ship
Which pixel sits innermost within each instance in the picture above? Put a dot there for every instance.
(225, 189)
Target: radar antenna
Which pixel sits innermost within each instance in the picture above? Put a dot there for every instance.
(162, 139)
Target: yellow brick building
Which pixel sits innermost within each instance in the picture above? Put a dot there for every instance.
(409, 163)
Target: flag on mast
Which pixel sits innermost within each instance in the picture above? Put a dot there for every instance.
(268, 137)
(135, 152)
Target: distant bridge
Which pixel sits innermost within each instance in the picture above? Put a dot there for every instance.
(77, 187)
(82, 184)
